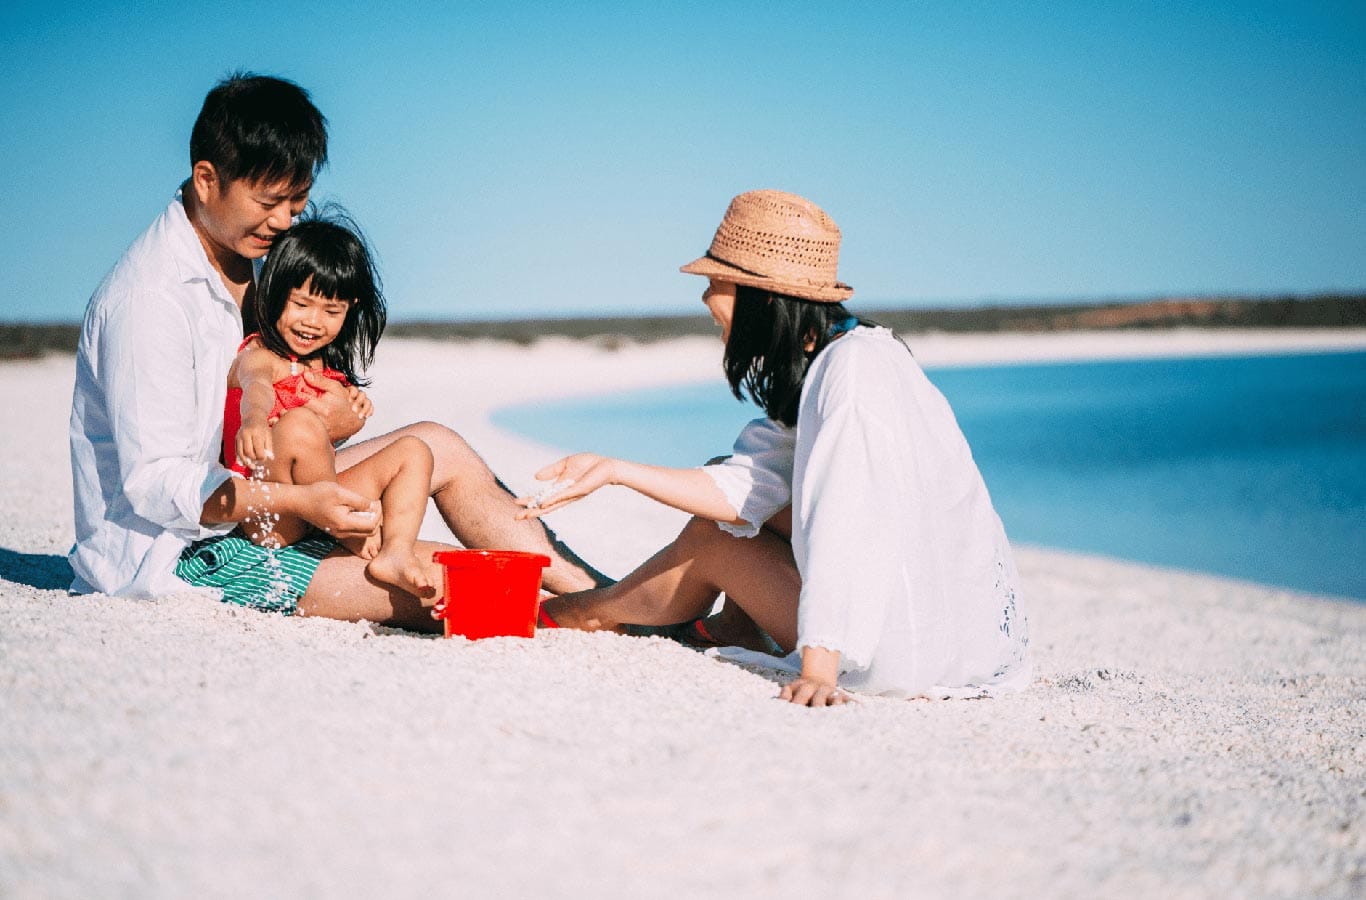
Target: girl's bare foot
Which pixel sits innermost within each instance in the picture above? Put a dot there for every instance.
(403, 570)
(366, 547)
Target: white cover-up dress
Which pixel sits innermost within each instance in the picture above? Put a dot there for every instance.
(904, 563)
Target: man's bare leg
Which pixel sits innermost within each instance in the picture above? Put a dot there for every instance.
(682, 581)
(479, 509)
(342, 589)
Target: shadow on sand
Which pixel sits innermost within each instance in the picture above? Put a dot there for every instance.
(45, 571)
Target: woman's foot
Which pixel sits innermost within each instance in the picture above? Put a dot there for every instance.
(572, 611)
(730, 627)
(403, 570)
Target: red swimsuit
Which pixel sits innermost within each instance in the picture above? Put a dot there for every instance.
(291, 392)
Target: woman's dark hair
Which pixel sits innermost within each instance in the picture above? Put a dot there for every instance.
(330, 249)
(261, 129)
(766, 355)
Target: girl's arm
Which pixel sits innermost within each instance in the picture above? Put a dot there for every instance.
(255, 370)
(577, 476)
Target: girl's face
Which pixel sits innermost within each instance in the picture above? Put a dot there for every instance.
(310, 322)
(720, 299)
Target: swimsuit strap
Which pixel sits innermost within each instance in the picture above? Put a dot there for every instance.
(840, 328)
(293, 359)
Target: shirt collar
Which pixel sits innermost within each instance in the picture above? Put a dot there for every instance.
(191, 260)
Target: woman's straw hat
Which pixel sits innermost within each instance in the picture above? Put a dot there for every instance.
(779, 242)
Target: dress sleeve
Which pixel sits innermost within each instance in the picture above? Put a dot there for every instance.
(756, 478)
(850, 518)
(147, 356)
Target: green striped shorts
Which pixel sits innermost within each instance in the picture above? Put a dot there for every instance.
(252, 576)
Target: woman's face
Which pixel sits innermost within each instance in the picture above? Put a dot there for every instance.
(720, 299)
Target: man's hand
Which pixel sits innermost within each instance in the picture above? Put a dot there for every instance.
(343, 409)
(338, 511)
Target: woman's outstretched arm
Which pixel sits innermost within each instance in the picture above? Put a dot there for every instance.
(577, 476)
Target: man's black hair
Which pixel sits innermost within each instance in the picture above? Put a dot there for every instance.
(262, 129)
(328, 248)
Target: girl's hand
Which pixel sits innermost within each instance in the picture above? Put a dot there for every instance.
(576, 476)
(253, 445)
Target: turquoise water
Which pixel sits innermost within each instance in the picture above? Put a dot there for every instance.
(1253, 467)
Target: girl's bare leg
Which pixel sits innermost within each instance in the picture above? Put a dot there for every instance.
(303, 455)
(682, 581)
(400, 475)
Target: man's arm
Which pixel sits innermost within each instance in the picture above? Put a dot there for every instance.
(325, 504)
(142, 354)
(339, 406)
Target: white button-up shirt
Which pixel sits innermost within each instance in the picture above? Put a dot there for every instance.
(158, 338)
(905, 566)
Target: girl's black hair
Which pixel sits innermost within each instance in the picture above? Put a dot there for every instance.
(329, 248)
(766, 355)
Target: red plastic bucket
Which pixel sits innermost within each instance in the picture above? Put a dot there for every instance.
(491, 593)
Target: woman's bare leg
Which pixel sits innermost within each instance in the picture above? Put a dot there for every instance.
(682, 581)
(731, 626)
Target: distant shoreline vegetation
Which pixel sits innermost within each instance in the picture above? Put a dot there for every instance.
(20, 340)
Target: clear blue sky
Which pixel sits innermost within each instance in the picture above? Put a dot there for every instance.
(543, 159)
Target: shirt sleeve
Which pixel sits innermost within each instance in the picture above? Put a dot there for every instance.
(756, 478)
(849, 520)
(146, 353)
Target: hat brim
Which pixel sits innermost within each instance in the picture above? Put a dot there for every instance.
(711, 267)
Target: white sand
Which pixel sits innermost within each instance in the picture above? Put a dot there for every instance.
(1187, 737)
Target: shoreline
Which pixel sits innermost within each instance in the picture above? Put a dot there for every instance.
(1186, 735)
(697, 360)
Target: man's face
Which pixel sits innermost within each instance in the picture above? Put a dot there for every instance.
(243, 217)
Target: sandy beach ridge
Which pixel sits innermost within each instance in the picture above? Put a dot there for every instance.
(1188, 736)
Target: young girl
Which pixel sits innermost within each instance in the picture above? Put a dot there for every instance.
(854, 526)
(319, 312)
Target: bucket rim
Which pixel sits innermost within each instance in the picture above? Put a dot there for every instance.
(444, 557)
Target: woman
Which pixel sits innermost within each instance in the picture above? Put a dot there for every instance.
(897, 578)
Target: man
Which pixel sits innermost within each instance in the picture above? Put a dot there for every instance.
(152, 500)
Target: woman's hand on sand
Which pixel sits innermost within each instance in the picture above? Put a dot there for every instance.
(570, 479)
(805, 691)
(254, 449)
(818, 685)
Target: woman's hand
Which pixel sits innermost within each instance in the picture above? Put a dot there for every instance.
(805, 691)
(572, 478)
(254, 449)
(818, 685)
